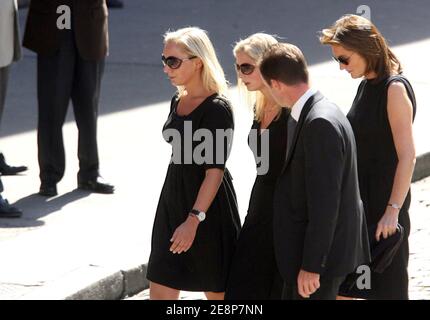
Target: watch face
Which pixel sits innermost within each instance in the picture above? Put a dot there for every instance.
(202, 216)
(199, 214)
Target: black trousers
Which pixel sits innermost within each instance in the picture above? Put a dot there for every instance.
(328, 290)
(62, 77)
(4, 76)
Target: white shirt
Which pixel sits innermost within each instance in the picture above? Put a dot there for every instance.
(297, 108)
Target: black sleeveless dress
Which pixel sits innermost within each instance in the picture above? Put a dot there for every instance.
(377, 163)
(254, 273)
(205, 266)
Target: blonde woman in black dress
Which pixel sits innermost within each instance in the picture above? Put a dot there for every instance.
(254, 274)
(381, 117)
(197, 222)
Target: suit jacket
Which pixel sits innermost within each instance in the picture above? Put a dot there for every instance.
(89, 24)
(10, 47)
(319, 221)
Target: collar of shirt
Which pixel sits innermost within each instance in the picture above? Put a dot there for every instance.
(296, 110)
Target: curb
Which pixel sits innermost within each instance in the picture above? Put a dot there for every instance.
(92, 282)
(126, 283)
(117, 286)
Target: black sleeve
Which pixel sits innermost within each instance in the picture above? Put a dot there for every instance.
(324, 165)
(218, 122)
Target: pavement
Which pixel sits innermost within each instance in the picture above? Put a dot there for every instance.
(79, 245)
(419, 255)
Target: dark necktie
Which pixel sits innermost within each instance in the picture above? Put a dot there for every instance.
(291, 127)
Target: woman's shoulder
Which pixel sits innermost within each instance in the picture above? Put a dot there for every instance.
(220, 101)
(218, 111)
(399, 89)
(397, 82)
(398, 85)
(383, 84)
(218, 104)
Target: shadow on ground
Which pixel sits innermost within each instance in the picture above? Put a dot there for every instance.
(35, 207)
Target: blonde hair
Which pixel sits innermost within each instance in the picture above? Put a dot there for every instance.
(358, 34)
(255, 46)
(195, 42)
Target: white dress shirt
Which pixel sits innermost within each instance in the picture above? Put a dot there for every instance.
(297, 108)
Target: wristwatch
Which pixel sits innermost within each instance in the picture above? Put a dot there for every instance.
(395, 206)
(199, 214)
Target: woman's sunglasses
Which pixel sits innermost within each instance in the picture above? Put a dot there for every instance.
(245, 68)
(342, 60)
(174, 62)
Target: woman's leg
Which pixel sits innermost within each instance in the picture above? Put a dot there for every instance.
(160, 292)
(214, 295)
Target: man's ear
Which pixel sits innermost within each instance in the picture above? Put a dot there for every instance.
(275, 84)
(268, 83)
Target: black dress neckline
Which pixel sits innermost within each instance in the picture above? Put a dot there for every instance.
(175, 109)
(274, 120)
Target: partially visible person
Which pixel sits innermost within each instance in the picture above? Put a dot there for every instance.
(320, 233)
(8, 170)
(10, 51)
(115, 4)
(70, 66)
(6, 210)
(254, 273)
(23, 4)
(197, 221)
(381, 116)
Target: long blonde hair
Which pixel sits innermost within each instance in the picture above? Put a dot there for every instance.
(255, 46)
(195, 42)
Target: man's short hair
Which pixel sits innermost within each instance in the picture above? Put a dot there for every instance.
(286, 63)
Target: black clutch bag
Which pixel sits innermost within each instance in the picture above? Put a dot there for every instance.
(382, 254)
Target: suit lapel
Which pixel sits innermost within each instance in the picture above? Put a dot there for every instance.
(306, 108)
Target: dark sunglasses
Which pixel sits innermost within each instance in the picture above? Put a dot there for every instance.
(245, 68)
(174, 62)
(342, 60)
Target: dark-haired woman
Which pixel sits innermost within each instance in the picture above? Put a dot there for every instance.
(381, 117)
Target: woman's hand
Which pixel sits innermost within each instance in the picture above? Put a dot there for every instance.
(387, 226)
(184, 235)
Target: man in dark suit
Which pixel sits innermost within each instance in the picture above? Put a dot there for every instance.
(319, 224)
(70, 64)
